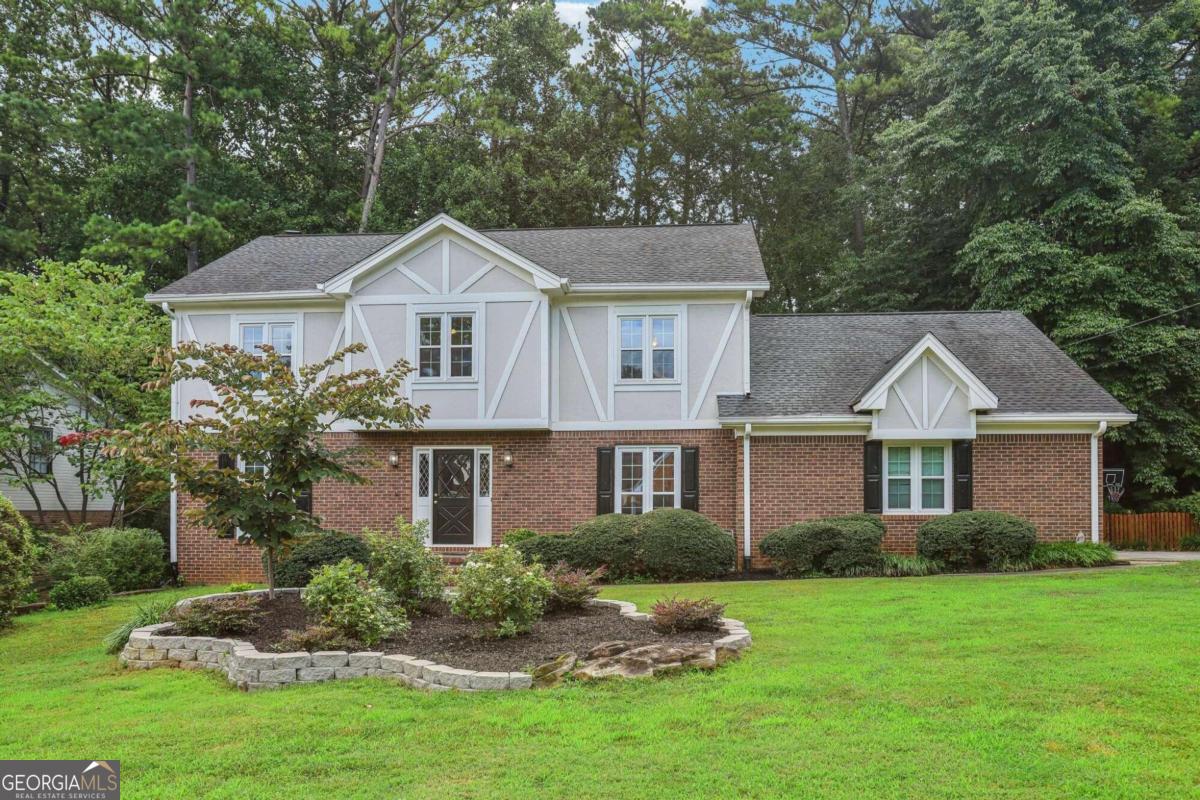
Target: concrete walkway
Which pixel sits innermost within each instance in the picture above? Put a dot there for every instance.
(1157, 556)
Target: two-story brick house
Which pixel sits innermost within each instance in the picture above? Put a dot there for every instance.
(579, 371)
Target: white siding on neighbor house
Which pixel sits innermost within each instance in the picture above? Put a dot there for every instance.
(68, 486)
(538, 361)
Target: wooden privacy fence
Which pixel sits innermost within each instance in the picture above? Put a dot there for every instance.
(1158, 530)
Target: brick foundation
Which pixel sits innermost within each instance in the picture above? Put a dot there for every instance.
(551, 486)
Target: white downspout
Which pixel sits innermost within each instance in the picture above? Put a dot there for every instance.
(1095, 484)
(174, 531)
(746, 498)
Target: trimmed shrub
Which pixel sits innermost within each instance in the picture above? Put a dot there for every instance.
(80, 591)
(1071, 554)
(968, 540)
(518, 535)
(871, 519)
(219, 616)
(675, 614)
(314, 638)
(17, 557)
(498, 588)
(239, 587)
(548, 548)
(310, 553)
(346, 598)
(58, 559)
(1191, 542)
(151, 613)
(610, 541)
(892, 565)
(837, 546)
(128, 558)
(571, 588)
(675, 544)
(401, 564)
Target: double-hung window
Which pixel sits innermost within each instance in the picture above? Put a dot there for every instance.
(648, 347)
(41, 450)
(647, 478)
(446, 346)
(280, 335)
(916, 477)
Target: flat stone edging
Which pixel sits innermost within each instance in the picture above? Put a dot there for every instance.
(251, 670)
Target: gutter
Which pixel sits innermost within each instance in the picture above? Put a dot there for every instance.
(1094, 490)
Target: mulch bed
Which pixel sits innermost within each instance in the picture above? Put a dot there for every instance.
(441, 637)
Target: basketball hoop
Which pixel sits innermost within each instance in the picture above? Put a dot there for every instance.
(1114, 483)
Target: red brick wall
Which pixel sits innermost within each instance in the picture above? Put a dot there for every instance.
(551, 486)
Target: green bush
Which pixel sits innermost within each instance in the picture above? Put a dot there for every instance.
(1191, 542)
(837, 546)
(218, 616)
(898, 566)
(17, 558)
(571, 588)
(80, 591)
(968, 540)
(128, 558)
(548, 549)
(498, 588)
(675, 614)
(518, 535)
(402, 565)
(610, 541)
(1071, 554)
(675, 544)
(150, 613)
(346, 598)
(310, 553)
(871, 519)
(58, 558)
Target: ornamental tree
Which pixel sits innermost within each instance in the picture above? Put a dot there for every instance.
(250, 454)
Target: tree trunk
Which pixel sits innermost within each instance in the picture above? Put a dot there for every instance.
(193, 247)
(270, 572)
(380, 137)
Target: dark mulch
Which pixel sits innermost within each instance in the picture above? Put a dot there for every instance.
(446, 639)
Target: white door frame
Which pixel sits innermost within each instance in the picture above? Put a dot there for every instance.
(422, 507)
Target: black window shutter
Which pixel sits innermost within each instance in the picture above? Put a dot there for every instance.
(225, 461)
(605, 470)
(964, 490)
(304, 499)
(689, 496)
(873, 477)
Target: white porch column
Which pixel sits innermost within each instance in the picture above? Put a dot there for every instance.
(1095, 484)
(746, 497)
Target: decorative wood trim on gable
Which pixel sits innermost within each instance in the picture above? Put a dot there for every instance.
(979, 396)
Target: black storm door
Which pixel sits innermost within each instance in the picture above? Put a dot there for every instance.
(453, 497)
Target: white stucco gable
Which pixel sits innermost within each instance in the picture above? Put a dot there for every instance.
(927, 393)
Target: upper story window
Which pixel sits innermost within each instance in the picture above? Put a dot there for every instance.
(648, 347)
(915, 478)
(41, 450)
(280, 335)
(446, 346)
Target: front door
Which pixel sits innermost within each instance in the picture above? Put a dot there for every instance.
(453, 497)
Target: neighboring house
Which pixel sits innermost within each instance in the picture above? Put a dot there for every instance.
(578, 371)
(45, 487)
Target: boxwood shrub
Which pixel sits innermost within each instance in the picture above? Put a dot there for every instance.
(128, 558)
(310, 553)
(675, 544)
(548, 549)
(968, 540)
(611, 541)
(850, 545)
(16, 559)
(80, 591)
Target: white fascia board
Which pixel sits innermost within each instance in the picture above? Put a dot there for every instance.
(341, 283)
(452, 425)
(691, 287)
(234, 297)
(801, 425)
(1113, 420)
(980, 397)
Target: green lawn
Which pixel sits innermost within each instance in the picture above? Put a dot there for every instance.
(1070, 685)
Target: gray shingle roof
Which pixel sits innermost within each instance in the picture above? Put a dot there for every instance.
(665, 254)
(821, 363)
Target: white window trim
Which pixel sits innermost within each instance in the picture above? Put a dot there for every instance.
(238, 321)
(445, 311)
(647, 475)
(914, 478)
(39, 430)
(648, 315)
